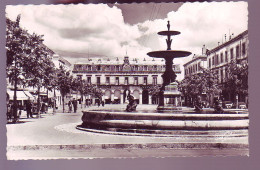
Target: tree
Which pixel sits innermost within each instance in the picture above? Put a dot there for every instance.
(28, 60)
(154, 91)
(40, 69)
(16, 51)
(236, 80)
(204, 82)
(64, 83)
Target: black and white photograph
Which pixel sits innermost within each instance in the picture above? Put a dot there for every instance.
(131, 80)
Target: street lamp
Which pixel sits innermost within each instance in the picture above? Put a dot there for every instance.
(237, 101)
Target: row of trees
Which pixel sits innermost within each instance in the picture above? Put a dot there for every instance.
(29, 63)
(207, 82)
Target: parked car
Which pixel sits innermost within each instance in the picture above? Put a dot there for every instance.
(227, 104)
(241, 105)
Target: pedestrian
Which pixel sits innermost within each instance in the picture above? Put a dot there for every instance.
(29, 109)
(103, 103)
(43, 107)
(74, 103)
(9, 111)
(70, 106)
(98, 102)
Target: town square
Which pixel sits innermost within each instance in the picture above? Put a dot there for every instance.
(97, 80)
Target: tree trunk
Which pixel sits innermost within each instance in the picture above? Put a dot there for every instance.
(15, 101)
(14, 110)
(82, 99)
(63, 104)
(54, 102)
(38, 102)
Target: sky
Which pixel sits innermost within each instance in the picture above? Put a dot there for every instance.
(77, 32)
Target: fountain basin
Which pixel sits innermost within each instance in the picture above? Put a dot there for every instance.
(169, 54)
(155, 121)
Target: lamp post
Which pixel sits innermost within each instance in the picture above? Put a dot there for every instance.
(237, 101)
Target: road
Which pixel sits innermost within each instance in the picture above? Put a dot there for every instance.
(54, 136)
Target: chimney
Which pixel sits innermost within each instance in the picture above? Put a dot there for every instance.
(204, 50)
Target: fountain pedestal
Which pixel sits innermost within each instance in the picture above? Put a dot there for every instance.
(171, 98)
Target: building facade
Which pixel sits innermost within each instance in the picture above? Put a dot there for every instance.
(119, 77)
(195, 65)
(218, 58)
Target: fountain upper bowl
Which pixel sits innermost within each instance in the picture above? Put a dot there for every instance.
(168, 33)
(169, 54)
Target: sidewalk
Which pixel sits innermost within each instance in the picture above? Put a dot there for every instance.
(56, 132)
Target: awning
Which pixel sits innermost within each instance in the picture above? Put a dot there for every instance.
(20, 95)
(28, 94)
(43, 94)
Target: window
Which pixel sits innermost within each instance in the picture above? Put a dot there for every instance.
(117, 68)
(226, 56)
(231, 54)
(98, 80)
(145, 80)
(80, 67)
(136, 68)
(145, 68)
(136, 81)
(221, 76)
(107, 80)
(126, 80)
(79, 77)
(217, 60)
(154, 80)
(237, 51)
(107, 68)
(98, 68)
(198, 66)
(213, 60)
(89, 68)
(243, 48)
(209, 62)
(155, 67)
(117, 80)
(221, 58)
(89, 80)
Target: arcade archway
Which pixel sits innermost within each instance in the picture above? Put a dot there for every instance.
(145, 97)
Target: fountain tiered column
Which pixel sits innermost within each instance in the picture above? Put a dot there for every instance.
(169, 75)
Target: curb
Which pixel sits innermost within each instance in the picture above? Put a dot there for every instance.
(132, 146)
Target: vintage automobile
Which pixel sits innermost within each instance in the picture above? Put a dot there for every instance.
(241, 105)
(227, 104)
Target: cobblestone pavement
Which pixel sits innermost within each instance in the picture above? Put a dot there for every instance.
(56, 131)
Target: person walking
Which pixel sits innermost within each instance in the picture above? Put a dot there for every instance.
(29, 109)
(74, 103)
(98, 102)
(70, 106)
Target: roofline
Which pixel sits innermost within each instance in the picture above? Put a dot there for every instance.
(194, 59)
(228, 42)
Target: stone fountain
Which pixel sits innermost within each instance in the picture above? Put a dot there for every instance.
(168, 100)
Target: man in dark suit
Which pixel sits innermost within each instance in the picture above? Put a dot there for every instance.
(74, 103)
(29, 109)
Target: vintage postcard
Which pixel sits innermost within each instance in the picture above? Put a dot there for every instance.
(127, 80)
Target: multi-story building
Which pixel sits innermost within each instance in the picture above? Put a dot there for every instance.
(61, 62)
(235, 49)
(116, 77)
(195, 65)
